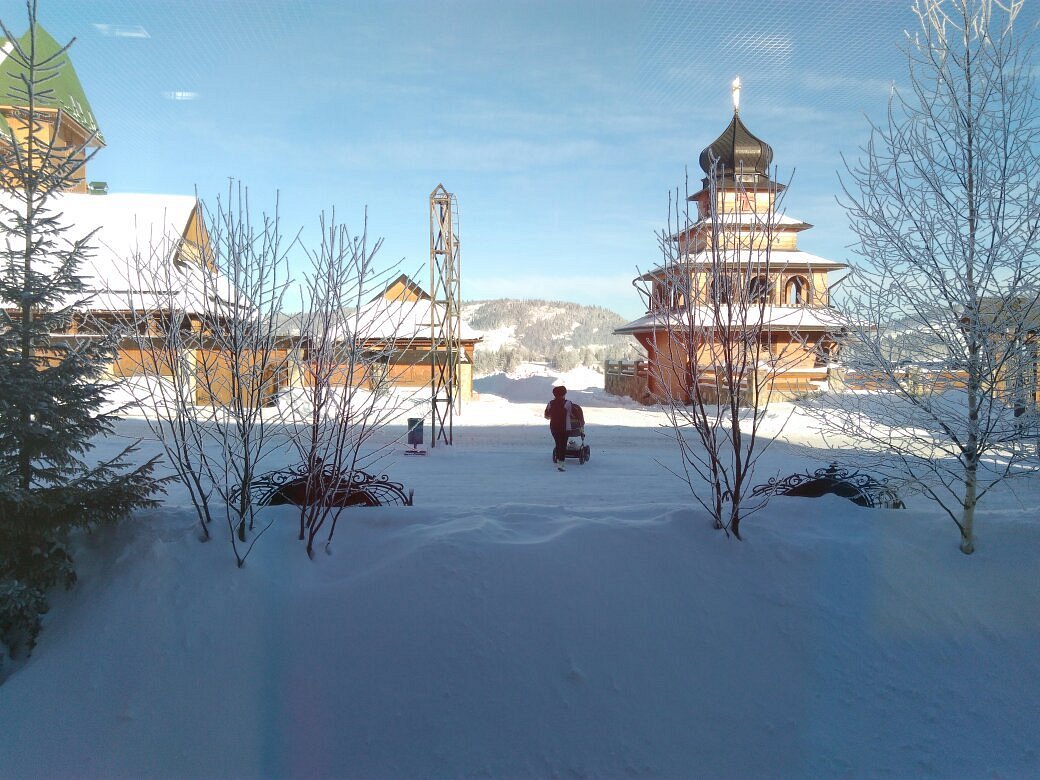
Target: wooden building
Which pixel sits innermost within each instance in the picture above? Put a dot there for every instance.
(394, 327)
(737, 246)
(146, 253)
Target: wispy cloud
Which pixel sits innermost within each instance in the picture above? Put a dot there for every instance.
(122, 30)
(180, 94)
(825, 82)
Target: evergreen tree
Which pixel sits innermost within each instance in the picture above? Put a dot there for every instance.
(52, 388)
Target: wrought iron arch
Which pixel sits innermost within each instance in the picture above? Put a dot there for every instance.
(296, 485)
(861, 489)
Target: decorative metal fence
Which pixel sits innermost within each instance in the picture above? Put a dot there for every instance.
(296, 485)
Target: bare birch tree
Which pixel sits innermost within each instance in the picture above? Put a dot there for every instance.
(717, 351)
(344, 397)
(945, 201)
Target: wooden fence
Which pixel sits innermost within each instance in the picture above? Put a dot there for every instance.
(627, 378)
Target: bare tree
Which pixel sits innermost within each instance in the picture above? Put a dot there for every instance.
(160, 327)
(204, 318)
(243, 359)
(228, 379)
(945, 202)
(717, 351)
(344, 396)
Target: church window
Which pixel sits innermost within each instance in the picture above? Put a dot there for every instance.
(722, 290)
(796, 293)
(760, 290)
(659, 298)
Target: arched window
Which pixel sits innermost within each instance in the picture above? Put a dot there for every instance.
(760, 290)
(722, 290)
(659, 297)
(796, 292)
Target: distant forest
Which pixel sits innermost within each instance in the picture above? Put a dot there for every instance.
(567, 335)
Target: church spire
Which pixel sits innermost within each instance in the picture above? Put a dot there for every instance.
(737, 154)
(63, 86)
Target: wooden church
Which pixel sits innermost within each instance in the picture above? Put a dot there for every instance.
(736, 248)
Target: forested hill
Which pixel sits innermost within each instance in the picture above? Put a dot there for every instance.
(558, 332)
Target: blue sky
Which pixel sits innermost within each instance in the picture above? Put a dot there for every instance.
(560, 126)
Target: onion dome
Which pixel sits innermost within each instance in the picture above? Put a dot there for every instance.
(741, 156)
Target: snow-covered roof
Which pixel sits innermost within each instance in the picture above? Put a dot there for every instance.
(780, 260)
(774, 318)
(382, 318)
(129, 263)
(738, 219)
(753, 219)
(127, 223)
(194, 290)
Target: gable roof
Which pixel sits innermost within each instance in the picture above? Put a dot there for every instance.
(402, 313)
(403, 289)
(66, 91)
(402, 319)
(138, 239)
(397, 321)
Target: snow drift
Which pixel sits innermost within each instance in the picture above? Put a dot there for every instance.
(519, 622)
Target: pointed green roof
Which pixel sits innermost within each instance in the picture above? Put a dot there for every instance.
(66, 91)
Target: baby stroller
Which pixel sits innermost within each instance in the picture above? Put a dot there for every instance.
(576, 446)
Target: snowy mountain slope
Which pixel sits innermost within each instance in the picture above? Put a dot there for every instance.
(568, 334)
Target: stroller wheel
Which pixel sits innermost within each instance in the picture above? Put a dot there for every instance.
(587, 452)
(581, 457)
(554, 456)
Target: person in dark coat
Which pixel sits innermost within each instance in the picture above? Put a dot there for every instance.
(558, 412)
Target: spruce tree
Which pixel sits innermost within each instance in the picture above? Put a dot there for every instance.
(51, 388)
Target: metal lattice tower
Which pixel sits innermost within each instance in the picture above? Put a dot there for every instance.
(445, 314)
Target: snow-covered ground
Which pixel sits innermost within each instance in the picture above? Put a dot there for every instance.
(521, 622)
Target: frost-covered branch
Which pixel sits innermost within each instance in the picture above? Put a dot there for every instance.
(943, 299)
